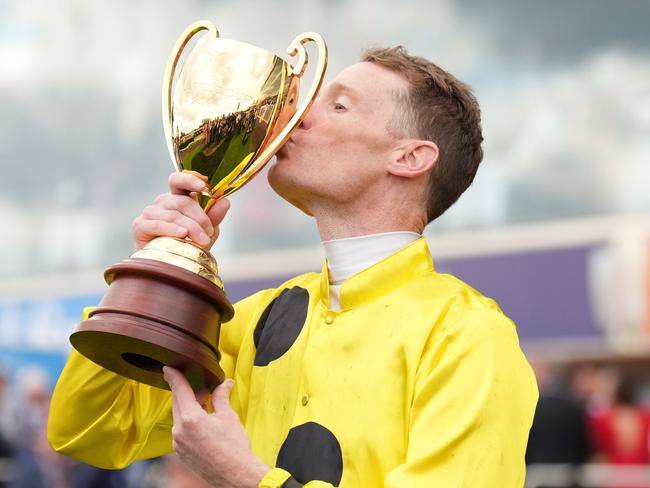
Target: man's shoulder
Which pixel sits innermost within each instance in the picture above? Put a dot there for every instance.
(456, 311)
(466, 323)
(451, 293)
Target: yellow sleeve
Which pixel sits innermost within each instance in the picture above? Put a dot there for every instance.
(472, 408)
(279, 478)
(106, 420)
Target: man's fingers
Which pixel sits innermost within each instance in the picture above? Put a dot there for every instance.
(195, 173)
(195, 231)
(144, 230)
(221, 395)
(184, 211)
(158, 221)
(184, 399)
(177, 214)
(185, 205)
(186, 182)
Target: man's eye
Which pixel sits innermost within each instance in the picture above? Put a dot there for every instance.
(339, 107)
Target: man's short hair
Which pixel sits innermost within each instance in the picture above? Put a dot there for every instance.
(442, 109)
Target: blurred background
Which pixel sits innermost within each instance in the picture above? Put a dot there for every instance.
(556, 226)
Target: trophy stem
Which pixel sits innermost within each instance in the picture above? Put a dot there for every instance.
(182, 253)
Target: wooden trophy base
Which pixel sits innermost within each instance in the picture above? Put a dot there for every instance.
(155, 314)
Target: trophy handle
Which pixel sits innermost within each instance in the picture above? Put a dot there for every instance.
(168, 78)
(295, 48)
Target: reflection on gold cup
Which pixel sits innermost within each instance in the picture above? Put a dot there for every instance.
(234, 105)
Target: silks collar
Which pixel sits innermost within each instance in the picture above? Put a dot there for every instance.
(382, 277)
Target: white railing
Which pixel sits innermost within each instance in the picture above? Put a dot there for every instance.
(587, 476)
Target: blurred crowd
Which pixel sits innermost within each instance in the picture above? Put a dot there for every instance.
(591, 428)
(27, 460)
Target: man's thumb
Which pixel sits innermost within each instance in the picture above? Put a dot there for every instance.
(218, 211)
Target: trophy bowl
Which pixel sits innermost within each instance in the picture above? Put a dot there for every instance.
(233, 106)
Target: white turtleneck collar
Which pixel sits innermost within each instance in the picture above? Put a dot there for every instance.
(349, 256)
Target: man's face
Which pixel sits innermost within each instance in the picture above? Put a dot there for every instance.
(343, 146)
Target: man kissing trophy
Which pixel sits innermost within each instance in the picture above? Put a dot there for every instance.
(233, 108)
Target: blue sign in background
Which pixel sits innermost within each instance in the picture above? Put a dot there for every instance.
(544, 292)
(35, 331)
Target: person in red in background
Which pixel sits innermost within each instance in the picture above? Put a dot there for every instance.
(621, 431)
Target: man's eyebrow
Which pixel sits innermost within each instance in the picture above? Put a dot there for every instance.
(338, 87)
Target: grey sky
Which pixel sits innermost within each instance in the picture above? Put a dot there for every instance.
(564, 86)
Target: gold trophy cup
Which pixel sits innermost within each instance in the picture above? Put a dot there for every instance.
(234, 105)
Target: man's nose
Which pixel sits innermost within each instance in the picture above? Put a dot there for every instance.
(307, 122)
(312, 115)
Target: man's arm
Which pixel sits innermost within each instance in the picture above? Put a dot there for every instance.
(473, 406)
(104, 419)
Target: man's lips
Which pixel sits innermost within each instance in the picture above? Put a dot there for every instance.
(286, 146)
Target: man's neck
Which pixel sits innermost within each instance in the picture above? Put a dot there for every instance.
(334, 224)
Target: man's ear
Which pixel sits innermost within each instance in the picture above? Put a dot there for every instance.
(413, 158)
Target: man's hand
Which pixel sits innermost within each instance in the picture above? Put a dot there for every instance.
(178, 214)
(213, 445)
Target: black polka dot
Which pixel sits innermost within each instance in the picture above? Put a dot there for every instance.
(311, 452)
(280, 324)
(292, 483)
